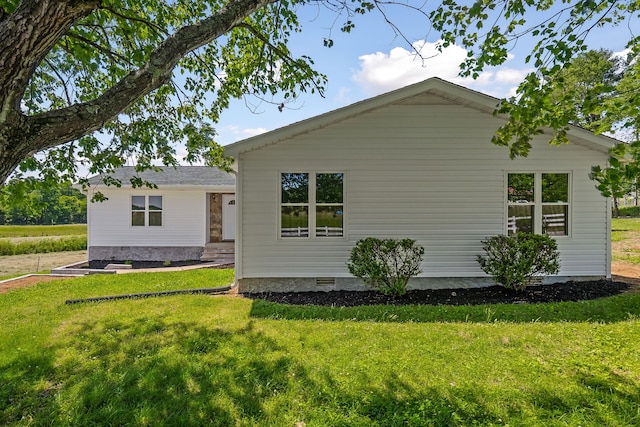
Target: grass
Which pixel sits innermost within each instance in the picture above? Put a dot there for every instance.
(33, 239)
(202, 360)
(625, 236)
(40, 246)
(42, 230)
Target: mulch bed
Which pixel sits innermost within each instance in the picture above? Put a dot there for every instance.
(570, 291)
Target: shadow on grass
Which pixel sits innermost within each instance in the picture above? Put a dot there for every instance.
(608, 310)
(151, 371)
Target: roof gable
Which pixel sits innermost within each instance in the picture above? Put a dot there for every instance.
(433, 91)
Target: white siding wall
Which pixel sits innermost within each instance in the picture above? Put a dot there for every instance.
(183, 219)
(427, 172)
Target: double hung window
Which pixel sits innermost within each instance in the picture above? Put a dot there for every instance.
(311, 204)
(538, 203)
(146, 211)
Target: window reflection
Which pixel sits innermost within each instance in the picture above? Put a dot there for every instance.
(520, 219)
(295, 187)
(329, 221)
(294, 221)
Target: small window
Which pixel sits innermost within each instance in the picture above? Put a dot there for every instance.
(311, 205)
(538, 203)
(146, 211)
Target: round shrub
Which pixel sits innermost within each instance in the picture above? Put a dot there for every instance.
(513, 260)
(386, 265)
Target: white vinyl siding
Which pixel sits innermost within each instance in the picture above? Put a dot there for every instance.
(184, 215)
(424, 171)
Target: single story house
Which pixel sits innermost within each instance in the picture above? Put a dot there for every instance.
(190, 216)
(414, 163)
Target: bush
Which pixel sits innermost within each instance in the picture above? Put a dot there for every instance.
(513, 260)
(386, 265)
(629, 211)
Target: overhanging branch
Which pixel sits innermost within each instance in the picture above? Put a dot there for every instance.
(59, 126)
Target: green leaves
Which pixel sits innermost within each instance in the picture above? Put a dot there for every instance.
(386, 265)
(552, 96)
(513, 261)
(253, 59)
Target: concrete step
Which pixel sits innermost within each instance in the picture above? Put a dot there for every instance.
(222, 252)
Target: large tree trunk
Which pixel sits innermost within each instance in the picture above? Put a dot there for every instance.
(28, 34)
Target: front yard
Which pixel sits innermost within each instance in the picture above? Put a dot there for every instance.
(226, 360)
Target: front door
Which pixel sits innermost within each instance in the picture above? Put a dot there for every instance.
(228, 217)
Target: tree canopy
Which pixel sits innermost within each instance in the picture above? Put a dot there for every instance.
(95, 82)
(25, 201)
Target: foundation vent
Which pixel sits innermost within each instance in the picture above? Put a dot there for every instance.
(325, 281)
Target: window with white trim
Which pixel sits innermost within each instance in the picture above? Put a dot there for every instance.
(538, 203)
(311, 204)
(146, 211)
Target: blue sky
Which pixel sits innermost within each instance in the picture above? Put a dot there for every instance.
(372, 59)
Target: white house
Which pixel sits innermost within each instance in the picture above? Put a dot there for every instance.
(190, 216)
(418, 163)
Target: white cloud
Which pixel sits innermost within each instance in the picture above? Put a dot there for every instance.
(232, 133)
(381, 72)
(343, 96)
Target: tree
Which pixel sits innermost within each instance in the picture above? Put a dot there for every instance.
(582, 89)
(71, 68)
(27, 201)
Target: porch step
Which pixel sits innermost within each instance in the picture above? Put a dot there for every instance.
(223, 253)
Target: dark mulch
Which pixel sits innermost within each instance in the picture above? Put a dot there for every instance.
(570, 291)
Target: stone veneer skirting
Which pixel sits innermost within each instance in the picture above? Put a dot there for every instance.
(302, 284)
(144, 253)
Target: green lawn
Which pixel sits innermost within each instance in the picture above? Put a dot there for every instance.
(625, 237)
(42, 230)
(201, 360)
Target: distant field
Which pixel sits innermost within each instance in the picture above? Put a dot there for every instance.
(8, 231)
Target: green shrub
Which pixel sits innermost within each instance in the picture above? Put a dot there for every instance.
(513, 260)
(386, 265)
(629, 211)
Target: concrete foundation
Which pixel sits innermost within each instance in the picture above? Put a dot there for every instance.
(326, 284)
(144, 253)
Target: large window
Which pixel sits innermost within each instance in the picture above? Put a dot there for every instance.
(311, 204)
(146, 211)
(538, 203)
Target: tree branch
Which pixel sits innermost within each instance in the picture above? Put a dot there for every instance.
(282, 54)
(59, 126)
(27, 35)
(62, 81)
(112, 55)
(157, 29)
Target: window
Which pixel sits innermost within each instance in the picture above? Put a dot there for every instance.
(311, 205)
(538, 203)
(146, 210)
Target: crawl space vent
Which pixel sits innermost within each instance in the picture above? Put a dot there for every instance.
(325, 281)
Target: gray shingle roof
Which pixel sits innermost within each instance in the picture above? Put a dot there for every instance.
(169, 176)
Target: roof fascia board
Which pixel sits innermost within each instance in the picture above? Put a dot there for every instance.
(190, 187)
